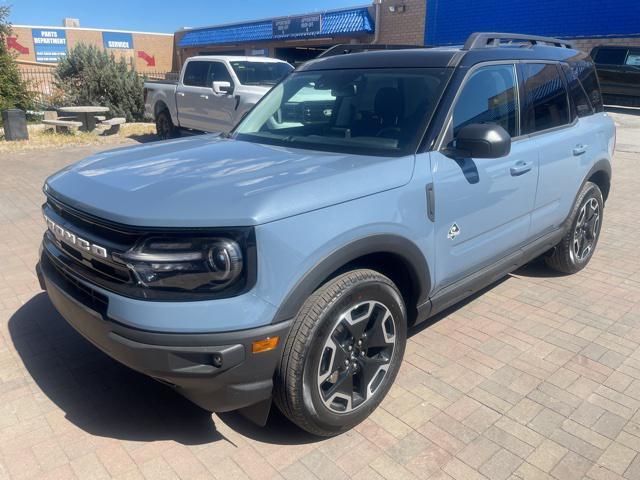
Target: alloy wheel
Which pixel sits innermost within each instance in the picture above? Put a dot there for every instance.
(586, 231)
(356, 356)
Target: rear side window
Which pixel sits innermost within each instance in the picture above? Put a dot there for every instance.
(586, 72)
(489, 96)
(196, 74)
(547, 100)
(611, 56)
(580, 101)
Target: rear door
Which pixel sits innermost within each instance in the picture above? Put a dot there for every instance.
(483, 206)
(191, 95)
(564, 144)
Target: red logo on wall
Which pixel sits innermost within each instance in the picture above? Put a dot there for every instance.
(12, 42)
(151, 61)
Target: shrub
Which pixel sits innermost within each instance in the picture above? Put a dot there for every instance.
(90, 76)
(14, 92)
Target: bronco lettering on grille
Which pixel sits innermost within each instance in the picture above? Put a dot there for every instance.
(72, 239)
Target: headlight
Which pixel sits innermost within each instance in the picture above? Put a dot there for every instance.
(194, 264)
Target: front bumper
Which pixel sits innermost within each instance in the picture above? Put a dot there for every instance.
(216, 371)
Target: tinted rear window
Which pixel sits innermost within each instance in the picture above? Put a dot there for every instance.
(547, 101)
(196, 74)
(580, 101)
(611, 56)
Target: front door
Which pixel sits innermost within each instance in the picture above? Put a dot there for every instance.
(220, 107)
(483, 206)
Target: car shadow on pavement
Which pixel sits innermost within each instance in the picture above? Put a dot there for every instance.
(105, 398)
(97, 393)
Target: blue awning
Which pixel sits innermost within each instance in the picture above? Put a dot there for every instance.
(338, 22)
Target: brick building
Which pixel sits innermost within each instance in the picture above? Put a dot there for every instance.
(416, 22)
(41, 47)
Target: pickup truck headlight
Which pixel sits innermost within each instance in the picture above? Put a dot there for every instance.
(189, 264)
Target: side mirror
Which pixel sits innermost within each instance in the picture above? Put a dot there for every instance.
(482, 140)
(222, 88)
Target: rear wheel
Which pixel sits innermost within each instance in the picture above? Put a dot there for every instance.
(343, 353)
(165, 127)
(577, 246)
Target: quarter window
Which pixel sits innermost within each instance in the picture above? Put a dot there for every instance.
(586, 73)
(196, 74)
(547, 101)
(489, 96)
(581, 105)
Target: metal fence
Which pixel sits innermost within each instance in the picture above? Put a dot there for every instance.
(42, 82)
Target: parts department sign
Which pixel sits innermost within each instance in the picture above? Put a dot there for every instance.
(50, 45)
(117, 40)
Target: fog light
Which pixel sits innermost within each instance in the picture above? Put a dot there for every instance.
(264, 345)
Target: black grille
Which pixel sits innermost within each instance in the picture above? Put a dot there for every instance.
(76, 289)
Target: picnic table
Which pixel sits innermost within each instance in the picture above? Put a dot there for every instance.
(86, 115)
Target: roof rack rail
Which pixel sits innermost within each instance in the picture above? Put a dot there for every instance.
(346, 48)
(492, 39)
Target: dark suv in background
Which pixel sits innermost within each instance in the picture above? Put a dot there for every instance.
(619, 73)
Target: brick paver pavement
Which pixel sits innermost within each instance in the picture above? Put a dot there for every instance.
(538, 377)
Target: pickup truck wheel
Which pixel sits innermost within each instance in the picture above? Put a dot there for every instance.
(576, 248)
(343, 353)
(165, 127)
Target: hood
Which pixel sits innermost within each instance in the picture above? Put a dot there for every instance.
(208, 181)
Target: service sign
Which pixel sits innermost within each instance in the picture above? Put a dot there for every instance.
(283, 27)
(121, 41)
(50, 45)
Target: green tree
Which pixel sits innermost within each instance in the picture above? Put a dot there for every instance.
(90, 76)
(14, 92)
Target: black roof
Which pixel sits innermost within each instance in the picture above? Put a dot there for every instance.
(480, 47)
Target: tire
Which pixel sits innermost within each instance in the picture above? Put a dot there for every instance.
(165, 129)
(576, 248)
(312, 372)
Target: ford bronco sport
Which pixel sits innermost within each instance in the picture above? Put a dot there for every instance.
(364, 193)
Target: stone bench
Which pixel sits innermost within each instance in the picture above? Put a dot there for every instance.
(113, 124)
(63, 126)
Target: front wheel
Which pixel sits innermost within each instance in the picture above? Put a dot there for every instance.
(343, 353)
(577, 246)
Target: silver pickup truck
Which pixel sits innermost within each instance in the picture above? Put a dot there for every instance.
(212, 93)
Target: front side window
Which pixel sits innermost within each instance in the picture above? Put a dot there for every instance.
(364, 111)
(611, 56)
(260, 73)
(633, 58)
(547, 100)
(489, 96)
(219, 73)
(196, 73)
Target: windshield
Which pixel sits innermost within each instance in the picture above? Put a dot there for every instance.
(260, 73)
(365, 111)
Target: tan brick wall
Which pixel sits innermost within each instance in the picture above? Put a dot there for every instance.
(586, 44)
(402, 27)
(158, 46)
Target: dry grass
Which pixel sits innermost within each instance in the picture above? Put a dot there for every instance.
(41, 139)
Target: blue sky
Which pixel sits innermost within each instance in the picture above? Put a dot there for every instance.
(159, 15)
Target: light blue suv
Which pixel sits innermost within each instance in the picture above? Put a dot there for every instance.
(366, 192)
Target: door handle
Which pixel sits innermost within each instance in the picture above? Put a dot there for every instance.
(180, 94)
(521, 168)
(206, 97)
(579, 150)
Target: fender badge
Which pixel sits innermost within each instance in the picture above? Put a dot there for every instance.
(454, 231)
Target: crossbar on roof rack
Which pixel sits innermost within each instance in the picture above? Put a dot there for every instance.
(346, 48)
(492, 39)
